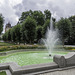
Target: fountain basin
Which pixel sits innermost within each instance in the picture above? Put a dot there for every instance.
(38, 69)
(29, 57)
(65, 61)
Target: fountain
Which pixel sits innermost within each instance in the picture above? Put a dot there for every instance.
(51, 38)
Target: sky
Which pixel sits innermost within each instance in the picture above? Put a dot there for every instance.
(12, 9)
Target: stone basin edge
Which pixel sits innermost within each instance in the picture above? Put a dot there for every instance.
(32, 69)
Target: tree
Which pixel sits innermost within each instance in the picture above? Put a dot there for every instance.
(39, 17)
(72, 20)
(9, 35)
(1, 23)
(13, 36)
(39, 32)
(25, 15)
(18, 33)
(4, 37)
(47, 14)
(23, 33)
(64, 26)
(72, 36)
(46, 25)
(29, 26)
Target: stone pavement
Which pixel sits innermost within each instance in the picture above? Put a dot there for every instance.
(63, 72)
(8, 72)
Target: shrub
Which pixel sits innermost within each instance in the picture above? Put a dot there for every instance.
(69, 48)
(4, 48)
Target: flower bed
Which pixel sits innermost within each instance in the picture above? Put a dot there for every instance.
(15, 47)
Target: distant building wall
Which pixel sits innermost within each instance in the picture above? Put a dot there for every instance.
(7, 27)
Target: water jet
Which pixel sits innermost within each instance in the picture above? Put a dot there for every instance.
(51, 38)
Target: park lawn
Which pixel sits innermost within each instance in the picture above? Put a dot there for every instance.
(3, 73)
(6, 44)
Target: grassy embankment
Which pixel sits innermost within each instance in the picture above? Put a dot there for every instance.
(10, 46)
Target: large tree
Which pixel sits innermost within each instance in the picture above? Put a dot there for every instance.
(13, 36)
(46, 25)
(47, 14)
(23, 33)
(29, 27)
(39, 33)
(1, 23)
(25, 15)
(18, 33)
(72, 36)
(4, 37)
(9, 35)
(64, 26)
(39, 17)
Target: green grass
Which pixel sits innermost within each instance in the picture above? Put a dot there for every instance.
(5, 44)
(3, 73)
(29, 58)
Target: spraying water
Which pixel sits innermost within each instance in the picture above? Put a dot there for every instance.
(51, 38)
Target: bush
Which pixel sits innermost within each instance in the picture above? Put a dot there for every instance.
(69, 48)
(4, 48)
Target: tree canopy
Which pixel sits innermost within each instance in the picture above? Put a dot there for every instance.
(64, 26)
(1, 23)
(32, 26)
(29, 29)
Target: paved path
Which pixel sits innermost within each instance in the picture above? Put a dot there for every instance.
(69, 45)
(8, 72)
(64, 72)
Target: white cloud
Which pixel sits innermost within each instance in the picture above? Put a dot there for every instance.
(15, 2)
(6, 8)
(12, 9)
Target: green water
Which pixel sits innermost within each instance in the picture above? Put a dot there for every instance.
(29, 58)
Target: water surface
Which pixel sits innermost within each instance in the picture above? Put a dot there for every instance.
(30, 57)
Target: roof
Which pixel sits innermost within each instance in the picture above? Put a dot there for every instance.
(8, 25)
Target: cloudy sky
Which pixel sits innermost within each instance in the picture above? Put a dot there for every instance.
(12, 9)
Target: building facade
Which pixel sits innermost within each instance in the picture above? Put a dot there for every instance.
(8, 26)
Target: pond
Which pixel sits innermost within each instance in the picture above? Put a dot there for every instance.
(30, 57)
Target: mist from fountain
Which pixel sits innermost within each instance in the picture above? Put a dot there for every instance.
(51, 38)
